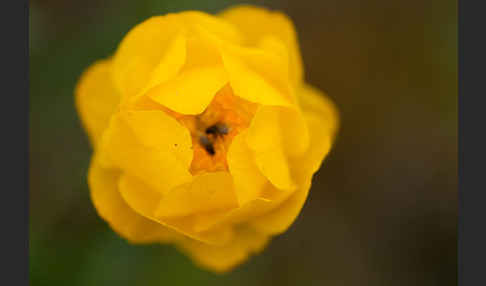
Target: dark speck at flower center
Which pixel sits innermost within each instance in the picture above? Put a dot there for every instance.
(207, 144)
(217, 129)
(211, 135)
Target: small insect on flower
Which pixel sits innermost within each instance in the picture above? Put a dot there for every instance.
(207, 144)
(213, 133)
(205, 134)
(218, 129)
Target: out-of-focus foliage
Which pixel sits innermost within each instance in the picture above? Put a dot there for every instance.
(381, 212)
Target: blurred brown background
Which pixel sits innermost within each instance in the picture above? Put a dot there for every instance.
(383, 207)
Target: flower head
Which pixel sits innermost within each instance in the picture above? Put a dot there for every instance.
(204, 133)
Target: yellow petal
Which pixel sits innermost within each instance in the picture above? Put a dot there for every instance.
(224, 258)
(272, 44)
(110, 206)
(322, 119)
(265, 139)
(256, 23)
(263, 133)
(191, 91)
(144, 200)
(270, 63)
(251, 84)
(161, 168)
(303, 169)
(322, 138)
(248, 180)
(251, 209)
(265, 66)
(138, 196)
(158, 40)
(280, 219)
(274, 165)
(96, 99)
(172, 62)
(207, 192)
(202, 50)
(294, 130)
(316, 102)
(142, 50)
(216, 26)
(156, 129)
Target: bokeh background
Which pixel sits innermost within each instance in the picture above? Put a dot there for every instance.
(383, 207)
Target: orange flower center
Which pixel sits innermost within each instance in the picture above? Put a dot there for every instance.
(213, 130)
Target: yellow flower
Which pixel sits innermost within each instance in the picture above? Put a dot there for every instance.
(204, 132)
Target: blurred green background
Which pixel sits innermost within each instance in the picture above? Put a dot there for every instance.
(383, 207)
